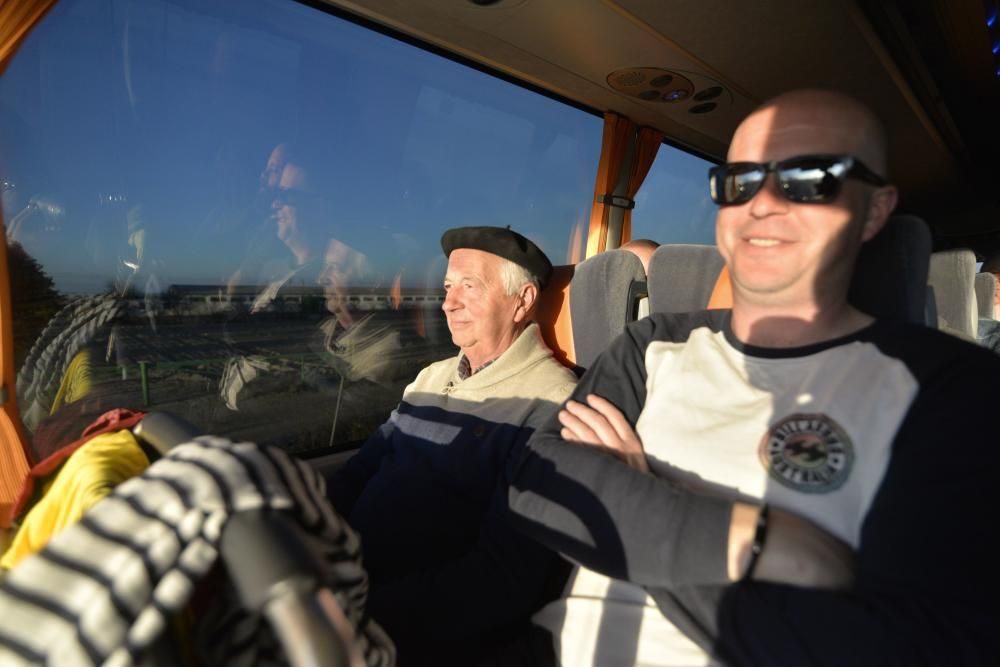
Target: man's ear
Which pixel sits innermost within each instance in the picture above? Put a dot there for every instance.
(880, 207)
(527, 296)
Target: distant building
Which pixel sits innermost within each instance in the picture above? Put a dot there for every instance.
(207, 299)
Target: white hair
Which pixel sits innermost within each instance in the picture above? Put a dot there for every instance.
(514, 277)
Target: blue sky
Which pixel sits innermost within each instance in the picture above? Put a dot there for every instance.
(172, 108)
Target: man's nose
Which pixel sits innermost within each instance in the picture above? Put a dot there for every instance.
(768, 200)
(451, 301)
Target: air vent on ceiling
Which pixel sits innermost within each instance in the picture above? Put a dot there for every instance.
(704, 107)
(494, 4)
(651, 84)
(654, 84)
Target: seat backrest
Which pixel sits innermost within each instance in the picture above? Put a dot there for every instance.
(952, 282)
(889, 280)
(682, 277)
(603, 297)
(952, 279)
(986, 288)
(553, 317)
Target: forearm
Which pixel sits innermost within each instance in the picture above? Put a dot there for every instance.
(594, 509)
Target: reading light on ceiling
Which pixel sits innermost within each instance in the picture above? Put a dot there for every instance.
(991, 20)
(651, 84)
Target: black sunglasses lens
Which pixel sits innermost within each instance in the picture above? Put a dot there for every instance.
(736, 183)
(811, 180)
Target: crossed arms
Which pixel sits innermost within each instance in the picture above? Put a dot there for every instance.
(921, 588)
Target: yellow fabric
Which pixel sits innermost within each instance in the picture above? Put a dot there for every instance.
(76, 382)
(87, 476)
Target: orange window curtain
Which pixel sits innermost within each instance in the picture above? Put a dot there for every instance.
(647, 144)
(617, 132)
(17, 18)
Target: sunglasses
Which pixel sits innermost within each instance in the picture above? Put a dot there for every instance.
(806, 179)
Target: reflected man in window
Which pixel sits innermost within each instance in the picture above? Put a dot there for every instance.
(322, 272)
(427, 492)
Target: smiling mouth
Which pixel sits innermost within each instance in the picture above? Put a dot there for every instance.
(764, 243)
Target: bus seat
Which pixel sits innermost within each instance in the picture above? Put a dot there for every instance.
(889, 281)
(604, 297)
(986, 287)
(682, 278)
(952, 279)
(553, 317)
(722, 294)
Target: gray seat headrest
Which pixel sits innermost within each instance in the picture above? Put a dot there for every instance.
(986, 288)
(682, 277)
(890, 279)
(603, 298)
(952, 277)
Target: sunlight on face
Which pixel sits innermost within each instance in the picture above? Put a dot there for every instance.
(481, 316)
(779, 251)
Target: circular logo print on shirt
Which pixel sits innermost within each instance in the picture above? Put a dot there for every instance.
(807, 453)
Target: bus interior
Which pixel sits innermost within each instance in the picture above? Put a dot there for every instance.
(231, 211)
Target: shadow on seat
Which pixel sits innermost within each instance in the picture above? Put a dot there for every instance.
(604, 297)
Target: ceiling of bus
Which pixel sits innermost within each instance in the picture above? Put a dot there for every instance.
(753, 50)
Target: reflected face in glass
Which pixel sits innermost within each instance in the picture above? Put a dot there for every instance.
(480, 313)
(782, 251)
(288, 210)
(271, 176)
(341, 265)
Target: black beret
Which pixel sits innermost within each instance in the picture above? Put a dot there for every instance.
(501, 241)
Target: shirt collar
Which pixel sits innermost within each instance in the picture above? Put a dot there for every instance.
(465, 369)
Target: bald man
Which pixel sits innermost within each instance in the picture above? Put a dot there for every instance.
(790, 482)
(643, 249)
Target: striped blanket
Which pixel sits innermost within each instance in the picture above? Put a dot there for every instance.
(104, 590)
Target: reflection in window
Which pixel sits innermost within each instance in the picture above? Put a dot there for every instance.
(235, 210)
(673, 205)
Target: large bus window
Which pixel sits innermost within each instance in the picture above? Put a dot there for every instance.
(232, 211)
(673, 205)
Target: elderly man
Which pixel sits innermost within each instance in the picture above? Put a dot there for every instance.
(428, 491)
(717, 459)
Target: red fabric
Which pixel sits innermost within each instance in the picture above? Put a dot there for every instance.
(112, 420)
